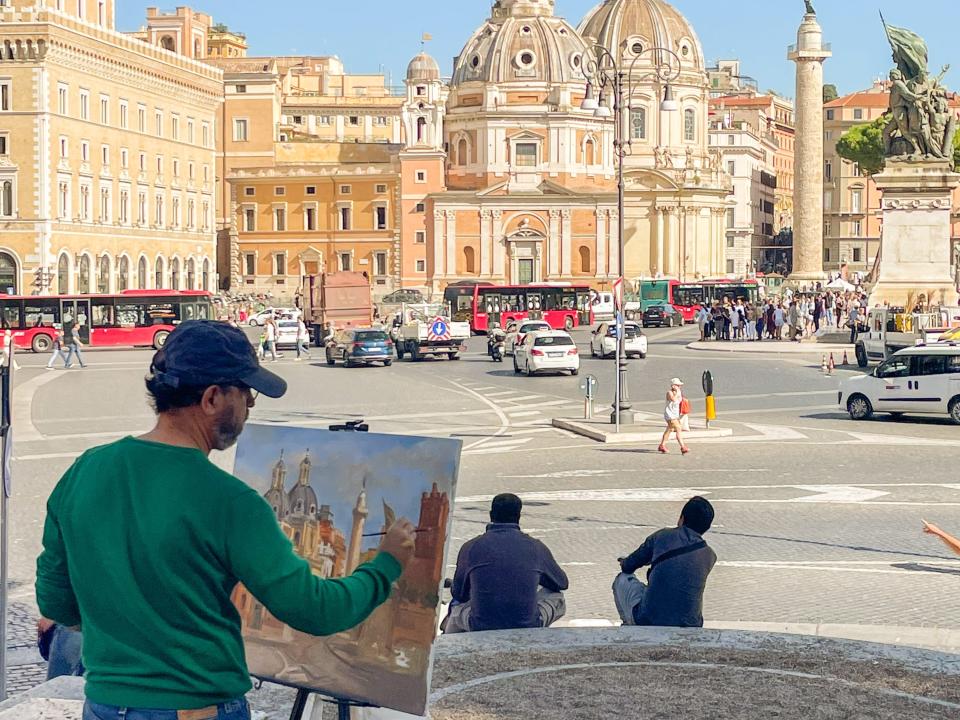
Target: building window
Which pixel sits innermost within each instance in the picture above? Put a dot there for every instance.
(7, 206)
(160, 217)
(857, 255)
(731, 167)
(84, 202)
(4, 144)
(828, 201)
(310, 218)
(190, 134)
(345, 216)
(63, 94)
(856, 229)
(124, 158)
(526, 154)
(381, 214)
(421, 266)
(354, 120)
(731, 219)
(104, 110)
(191, 274)
(730, 267)
(191, 214)
(638, 124)
(142, 118)
(346, 262)
(250, 219)
(142, 209)
(174, 127)
(240, 130)
(241, 89)
(103, 275)
(158, 274)
(856, 201)
(249, 191)
(421, 207)
(279, 219)
(280, 264)
(345, 189)
(826, 229)
(420, 237)
(421, 176)
(279, 191)
(826, 254)
(175, 274)
(250, 264)
(381, 189)
(828, 171)
(380, 263)
(858, 114)
(84, 274)
(731, 140)
(158, 122)
(830, 114)
(311, 190)
(589, 153)
(123, 274)
(84, 105)
(689, 125)
(84, 151)
(731, 242)
(206, 135)
(105, 156)
(6, 95)
(104, 205)
(142, 273)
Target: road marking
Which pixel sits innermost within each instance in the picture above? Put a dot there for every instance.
(504, 420)
(776, 432)
(881, 439)
(838, 494)
(843, 569)
(547, 403)
(519, 413)
(22, 410)
(522, 398)
(639, 495)
(48, 456)
(500, 394)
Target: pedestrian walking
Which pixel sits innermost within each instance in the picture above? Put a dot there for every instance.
(270, 338)
(673, 414)
(146, 540)
(779, 319)
(57, 349)
(854, 323)
(303, 339)
(71, 333)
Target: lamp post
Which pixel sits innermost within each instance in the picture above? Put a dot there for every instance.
(606, 74)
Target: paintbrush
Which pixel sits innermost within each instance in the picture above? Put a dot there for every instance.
(381, 534)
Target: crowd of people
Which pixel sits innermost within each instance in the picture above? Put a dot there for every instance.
(791, 317)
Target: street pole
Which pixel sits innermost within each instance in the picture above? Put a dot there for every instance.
(622, 412)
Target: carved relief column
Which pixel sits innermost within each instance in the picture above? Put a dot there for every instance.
(566, 242)
(499, 251)
(439, 245)
(602, 270)
(451, 242)
(486, 242)
(553, 253)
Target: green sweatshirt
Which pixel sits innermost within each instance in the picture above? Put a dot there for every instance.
(144, 544)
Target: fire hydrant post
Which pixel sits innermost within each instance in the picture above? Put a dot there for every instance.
(710, 399)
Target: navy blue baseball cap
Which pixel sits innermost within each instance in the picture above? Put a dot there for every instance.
(200, 353)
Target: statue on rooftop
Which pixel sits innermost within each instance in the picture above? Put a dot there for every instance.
(810, 10)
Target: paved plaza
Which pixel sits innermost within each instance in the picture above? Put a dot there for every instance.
(818, 517)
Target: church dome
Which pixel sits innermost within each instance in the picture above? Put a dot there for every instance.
(423, 67)
(522, 42)
(627, 28)
(302, 500)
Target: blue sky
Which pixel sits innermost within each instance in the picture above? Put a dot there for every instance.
(374, 35)
(397, 468)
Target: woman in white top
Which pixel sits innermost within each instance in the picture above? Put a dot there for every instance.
(672, 415)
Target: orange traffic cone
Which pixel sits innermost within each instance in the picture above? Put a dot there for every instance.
(831, 366)
(823, 365)
(846, 361)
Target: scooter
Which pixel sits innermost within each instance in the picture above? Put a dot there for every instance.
(496, 347)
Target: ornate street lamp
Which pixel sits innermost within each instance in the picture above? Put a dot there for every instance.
(607, 74)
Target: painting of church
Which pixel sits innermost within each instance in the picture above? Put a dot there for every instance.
(348, 488)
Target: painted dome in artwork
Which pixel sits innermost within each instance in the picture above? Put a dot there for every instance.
(522, 42)
(629, 27)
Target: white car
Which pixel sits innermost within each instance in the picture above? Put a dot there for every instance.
(258, 319)
(546, 350)
(515, 332)
(603, 342)
(287, 333)
(924, 380)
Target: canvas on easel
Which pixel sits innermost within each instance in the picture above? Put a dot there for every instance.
(330, 491)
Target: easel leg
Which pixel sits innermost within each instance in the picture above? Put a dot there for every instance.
(299, 704)
(343, 710)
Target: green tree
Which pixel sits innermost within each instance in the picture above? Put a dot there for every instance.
(863, 144)
(830, 93)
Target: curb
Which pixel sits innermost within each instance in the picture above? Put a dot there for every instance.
(597, 431)
(784, 348)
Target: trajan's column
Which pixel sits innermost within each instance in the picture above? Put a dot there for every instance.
(809, 54)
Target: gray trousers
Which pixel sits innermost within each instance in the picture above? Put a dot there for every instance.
(628, 594)
(552, 607)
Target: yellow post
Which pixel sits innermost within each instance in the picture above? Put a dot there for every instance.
(711, 409)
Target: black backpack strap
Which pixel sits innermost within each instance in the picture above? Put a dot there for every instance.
(677, 553)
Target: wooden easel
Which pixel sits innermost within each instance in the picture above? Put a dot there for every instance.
(343, 705)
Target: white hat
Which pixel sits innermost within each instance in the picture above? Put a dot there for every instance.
(677, 381)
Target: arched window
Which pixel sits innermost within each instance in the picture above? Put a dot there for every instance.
(103, 275)
(175, 274)
(84, 275)
(205, 275)
(142, 274)
(63, 274)
(638, 124)
(168, 43)
(588, 153)
(469, 261)
(9, 284)
(689, 124)
(191, 275)
(421, 129)
(584, 253)
(462, 152)
(158, 274)
(197, 50)
(123, 274)
(6, 199)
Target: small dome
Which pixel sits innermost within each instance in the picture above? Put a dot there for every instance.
(277, 500)
(302, 500)
(627, 28)
(423, 67)
(522, 48)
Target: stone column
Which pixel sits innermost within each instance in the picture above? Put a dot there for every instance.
(451, 242)
(809, 54)
(553, 252)
(566, 243)
(661, 220)
(602, 243)
(499, 251)
(486, 242)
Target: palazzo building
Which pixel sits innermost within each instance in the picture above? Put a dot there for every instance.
(107, 152)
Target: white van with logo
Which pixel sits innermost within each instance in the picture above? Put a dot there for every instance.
(922, 380)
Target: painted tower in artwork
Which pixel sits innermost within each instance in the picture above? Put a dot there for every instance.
(360, 513)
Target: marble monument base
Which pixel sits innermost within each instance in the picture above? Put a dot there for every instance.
(915, 245)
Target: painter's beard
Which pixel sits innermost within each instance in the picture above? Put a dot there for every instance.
(228, 429)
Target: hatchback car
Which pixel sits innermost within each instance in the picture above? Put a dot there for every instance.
(517, 331)
(259, 319)
(546, 350)
(360, 347)
(662, 316)
(603, 342)
(287, 331)
(924, 380)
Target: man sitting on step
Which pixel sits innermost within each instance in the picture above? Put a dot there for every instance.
(505, 579)
(680, 561)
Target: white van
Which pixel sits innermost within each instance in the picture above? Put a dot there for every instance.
(603, 306)
(923, 380)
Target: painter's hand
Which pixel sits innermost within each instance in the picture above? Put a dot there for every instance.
(400, 541)
(931, 529)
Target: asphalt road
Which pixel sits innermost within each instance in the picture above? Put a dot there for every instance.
(818, 517)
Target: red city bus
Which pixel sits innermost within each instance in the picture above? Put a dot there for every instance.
(132, 318)
(564, 307)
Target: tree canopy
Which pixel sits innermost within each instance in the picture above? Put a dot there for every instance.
(830, 93)
(863, 144)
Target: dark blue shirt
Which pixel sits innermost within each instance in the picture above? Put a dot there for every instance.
(499, 574)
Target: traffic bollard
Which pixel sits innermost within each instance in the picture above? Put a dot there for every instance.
(710, 399)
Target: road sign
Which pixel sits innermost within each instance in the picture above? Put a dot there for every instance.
(439, 330)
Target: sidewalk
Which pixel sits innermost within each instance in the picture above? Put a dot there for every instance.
(774, 347)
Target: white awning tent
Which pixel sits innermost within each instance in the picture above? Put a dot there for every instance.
(841, 284)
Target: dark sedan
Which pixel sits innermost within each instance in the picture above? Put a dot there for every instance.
(662, 316)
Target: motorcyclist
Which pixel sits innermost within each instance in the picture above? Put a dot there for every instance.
(495, 336)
